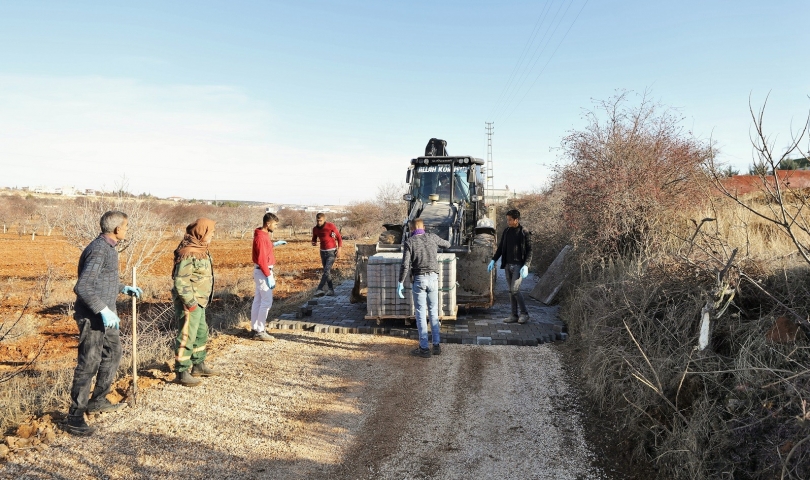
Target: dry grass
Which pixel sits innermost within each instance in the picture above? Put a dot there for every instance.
(731, 411)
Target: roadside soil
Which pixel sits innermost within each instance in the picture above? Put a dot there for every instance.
(344, 407)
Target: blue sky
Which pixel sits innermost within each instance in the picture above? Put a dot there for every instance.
(323, 102)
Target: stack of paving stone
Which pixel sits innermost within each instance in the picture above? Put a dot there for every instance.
(383, 278)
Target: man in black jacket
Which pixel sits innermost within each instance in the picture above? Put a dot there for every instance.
(516, 249)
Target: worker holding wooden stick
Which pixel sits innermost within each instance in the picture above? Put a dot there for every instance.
(99, 351)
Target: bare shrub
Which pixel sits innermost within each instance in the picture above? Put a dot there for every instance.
(297, 220)
(626, 171)
(364, 219)
(238, 221)
(144, 237)
(393, 209)
(156, 333)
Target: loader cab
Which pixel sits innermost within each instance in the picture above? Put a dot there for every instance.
(445, 193)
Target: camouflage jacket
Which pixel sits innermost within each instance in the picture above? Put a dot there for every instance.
(194, 281)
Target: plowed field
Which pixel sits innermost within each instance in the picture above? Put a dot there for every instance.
(41, 273)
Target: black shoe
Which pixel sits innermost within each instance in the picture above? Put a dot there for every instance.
(203, 370)
(75, 425)
(421, 352)
(330, 293)
(100, 405)
(524, 317)
(437, 349)
(185, 379)
(511, 319)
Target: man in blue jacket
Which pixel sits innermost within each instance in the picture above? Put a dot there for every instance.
(516, 249)
(99, 340)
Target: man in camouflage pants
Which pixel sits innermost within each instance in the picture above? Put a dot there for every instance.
(192, 293)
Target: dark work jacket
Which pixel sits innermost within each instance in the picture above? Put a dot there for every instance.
(515, 247)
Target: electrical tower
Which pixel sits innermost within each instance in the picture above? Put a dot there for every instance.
(490, 128)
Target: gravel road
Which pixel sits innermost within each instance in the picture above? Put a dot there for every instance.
(344, 407)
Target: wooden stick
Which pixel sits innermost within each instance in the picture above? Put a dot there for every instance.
(134, 342)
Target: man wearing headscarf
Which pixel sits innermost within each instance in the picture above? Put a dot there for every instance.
(193, 289)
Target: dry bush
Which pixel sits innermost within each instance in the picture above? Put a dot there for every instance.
(726, 411)
(656, 247)
(625, 173)
(156, 334)
(144, 237)
(35, 392)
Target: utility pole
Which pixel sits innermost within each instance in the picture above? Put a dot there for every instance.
(490, 128)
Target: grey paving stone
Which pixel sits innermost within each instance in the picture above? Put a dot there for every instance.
(484, 340)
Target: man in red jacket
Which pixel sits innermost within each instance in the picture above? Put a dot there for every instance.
(331, 242)
(263, 259)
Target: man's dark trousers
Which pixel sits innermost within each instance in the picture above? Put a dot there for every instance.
(99, 356)
(327, 259)
(513, 280)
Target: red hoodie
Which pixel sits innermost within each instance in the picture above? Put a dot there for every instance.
(263, 255)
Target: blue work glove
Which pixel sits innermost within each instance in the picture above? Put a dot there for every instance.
(401, 290)
(279, 243)
(132, 291)
(109, 318)
(271, 282)
(491, 265)
(524, 271)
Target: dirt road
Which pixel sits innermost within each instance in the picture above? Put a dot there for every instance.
(340, 406)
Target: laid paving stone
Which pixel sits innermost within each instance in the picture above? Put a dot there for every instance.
(484, 340)
(337, 315)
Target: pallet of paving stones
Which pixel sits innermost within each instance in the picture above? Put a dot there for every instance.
(383, 279)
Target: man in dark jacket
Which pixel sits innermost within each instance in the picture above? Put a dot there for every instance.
(420, 257)
(516, 249)
(99, 340)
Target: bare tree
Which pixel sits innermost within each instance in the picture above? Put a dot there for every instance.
(389, 198)
(297, 220)
(784, 206)
(240, 220)
(146, 227)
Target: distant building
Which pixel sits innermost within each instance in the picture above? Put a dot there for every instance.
(175, 199)
(499, 195)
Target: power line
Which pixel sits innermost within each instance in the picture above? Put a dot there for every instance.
(547, 62)
(508, 102)
(529, 42)
(527, 69)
